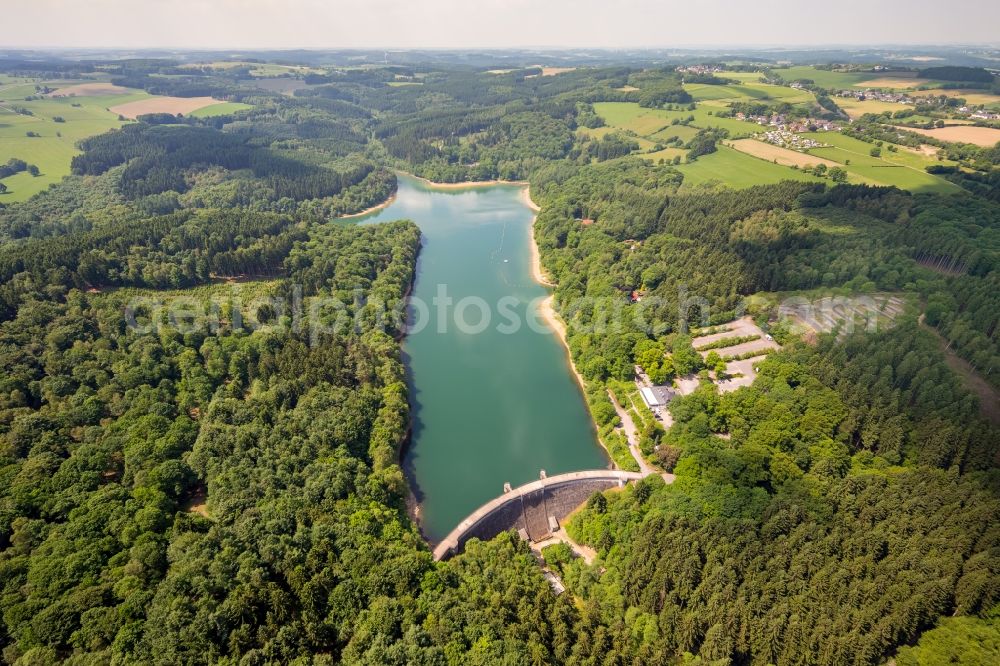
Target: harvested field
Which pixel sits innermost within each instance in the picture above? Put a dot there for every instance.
(785, 156)
(980, 136)
(172, 105)
(971, 96)
(896, 82)
(855, 108)
(90, 90)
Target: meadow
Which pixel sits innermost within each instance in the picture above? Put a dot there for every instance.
(86, 108)
(753, 163)
(824, 78)
(221, 109)
(55, 146)
(647, 122)
(747, 92)
(904, 168)
(855, 108)
(777, 154)
(737, 170)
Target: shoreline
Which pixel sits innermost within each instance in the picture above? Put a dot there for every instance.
(372, 209)
(467, 184)
(547, 310)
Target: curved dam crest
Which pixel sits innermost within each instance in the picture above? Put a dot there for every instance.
(488, 407)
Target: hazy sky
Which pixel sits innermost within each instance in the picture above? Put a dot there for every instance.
(492, 23)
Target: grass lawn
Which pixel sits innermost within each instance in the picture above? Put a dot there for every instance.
(219, 109)
(51, 152)
(738, 170)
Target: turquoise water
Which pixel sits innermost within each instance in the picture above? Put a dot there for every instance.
(491, 402)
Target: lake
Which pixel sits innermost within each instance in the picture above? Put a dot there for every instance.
(492, 402)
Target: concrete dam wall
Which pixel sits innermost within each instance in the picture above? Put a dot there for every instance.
(532, 507)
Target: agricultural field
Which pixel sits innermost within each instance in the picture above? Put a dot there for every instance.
(980, 136)
(974, 97)
(666, 154)
(732, 167)
(903, 168)
(855, 108)
(684, 132)
(779, 155)
(599, 132)
(737, 170)
(93, 89)
(825, 78)
(55, 146)
(743, 77)
(163, 104)
(748, 92)
(646, 122)
(897, 82)
(704, 91)
(220, 109)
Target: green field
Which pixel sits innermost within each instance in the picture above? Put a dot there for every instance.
(599, 132)
(824, 78)
(856, 108)
(738, 170)
(747, 92)
(728, 166)
(666, 154)
(903, 168)
(703, 91)
(50, 151)
(742, 77)
(685, 132)
(647, 122)
(219, 109)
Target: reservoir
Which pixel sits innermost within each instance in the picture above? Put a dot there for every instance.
(489, 404)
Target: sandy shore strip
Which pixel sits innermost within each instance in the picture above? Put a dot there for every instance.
(384, 204)
(468, 184)
(546, 307)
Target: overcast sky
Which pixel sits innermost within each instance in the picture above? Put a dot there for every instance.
(492, 23)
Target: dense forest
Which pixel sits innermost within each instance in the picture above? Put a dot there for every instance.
(231, 492)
